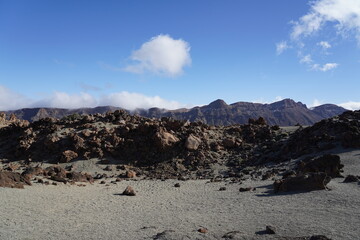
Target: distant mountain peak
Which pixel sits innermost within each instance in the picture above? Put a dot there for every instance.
(219, 103)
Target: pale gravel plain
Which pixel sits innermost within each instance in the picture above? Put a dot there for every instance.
(100, 212)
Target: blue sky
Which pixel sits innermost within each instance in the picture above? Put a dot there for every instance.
(175, 54)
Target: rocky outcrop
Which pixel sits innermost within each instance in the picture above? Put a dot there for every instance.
(13, 180)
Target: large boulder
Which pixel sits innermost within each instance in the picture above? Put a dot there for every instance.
(165, 139)
(79, 177)
(13, 180)
(329, 164)
(192, 142)
(306, 182)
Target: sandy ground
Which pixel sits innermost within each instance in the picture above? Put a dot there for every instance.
(101, 212)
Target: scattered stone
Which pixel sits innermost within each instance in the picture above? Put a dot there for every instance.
(102, 182)
(54, 183)
(108, 168)
(351, 178)
(129, 191)
(80, 177)
(247, 189)
(131, 174)
(203, 230)
(59, 179)
(319, 237)
(177, 185)
(222, 189)
(270, 230)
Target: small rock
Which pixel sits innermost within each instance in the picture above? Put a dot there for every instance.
(319, 237)
(177, 185)
(203, 230)
(351, 178)
(130, 174)
(102, 182)
(270, 229)
(108, 168)
(222, 189)
(129, 191)
(247, 189)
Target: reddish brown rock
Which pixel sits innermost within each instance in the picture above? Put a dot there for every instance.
(67, 156)
(130, 174)
(80, 177)
(165, 139)
(203, 230)
(13, 180)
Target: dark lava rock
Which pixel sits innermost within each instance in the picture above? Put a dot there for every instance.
(247, 189)
(329, 164)
(222, 189)
(270, 230)
(351, 178)
(177, 185)
(306, 182)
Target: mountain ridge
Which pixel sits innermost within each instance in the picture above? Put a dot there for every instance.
(286, 112)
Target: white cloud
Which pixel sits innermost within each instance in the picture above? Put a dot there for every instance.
(10, 100)
(263, 101)
(65, 100)
(350, 105)
(324, 44)
(278, 98)
(324, 68)
(161, 55)
(281, 47)
(132, 101)
(315, 103)
(344, 14)
(306, 59)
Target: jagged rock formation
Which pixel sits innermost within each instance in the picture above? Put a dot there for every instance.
(160, 147)
(284, 113)
(342, 130)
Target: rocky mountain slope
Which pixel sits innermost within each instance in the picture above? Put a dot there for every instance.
(283, 113)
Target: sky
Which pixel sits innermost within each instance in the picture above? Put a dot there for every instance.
(174, 54)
